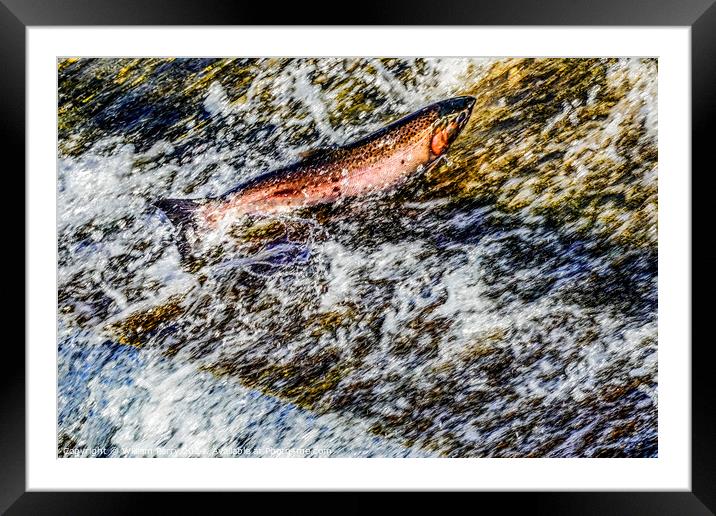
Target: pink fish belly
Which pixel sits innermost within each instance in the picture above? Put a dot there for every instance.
(356, 181)
(387, 172)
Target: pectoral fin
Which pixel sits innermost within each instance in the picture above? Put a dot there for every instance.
(432, 166)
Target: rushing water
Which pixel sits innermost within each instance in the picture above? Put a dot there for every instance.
(502, 305)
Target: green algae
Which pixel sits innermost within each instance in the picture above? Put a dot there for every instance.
(137, 328)
(304, 382)
(528, 114)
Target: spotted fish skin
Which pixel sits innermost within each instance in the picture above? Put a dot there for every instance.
(374, 163)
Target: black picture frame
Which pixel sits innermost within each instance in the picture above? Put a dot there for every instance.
(700, 15)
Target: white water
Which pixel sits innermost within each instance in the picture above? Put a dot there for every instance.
(460, 336)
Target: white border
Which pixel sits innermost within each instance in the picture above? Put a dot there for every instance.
(671, 470)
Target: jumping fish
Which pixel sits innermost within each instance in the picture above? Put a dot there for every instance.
(371, 164)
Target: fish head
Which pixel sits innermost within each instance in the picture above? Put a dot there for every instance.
(453, 115)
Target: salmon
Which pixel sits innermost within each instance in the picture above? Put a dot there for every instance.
(377, 162)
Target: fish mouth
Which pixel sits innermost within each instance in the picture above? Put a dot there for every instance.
(454, 114)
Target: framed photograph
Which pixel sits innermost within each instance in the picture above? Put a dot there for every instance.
(415, 253)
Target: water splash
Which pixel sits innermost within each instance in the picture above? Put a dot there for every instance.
(505, 305)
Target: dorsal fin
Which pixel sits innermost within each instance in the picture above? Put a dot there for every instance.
(317, 152)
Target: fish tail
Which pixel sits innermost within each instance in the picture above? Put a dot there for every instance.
(181, 213)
